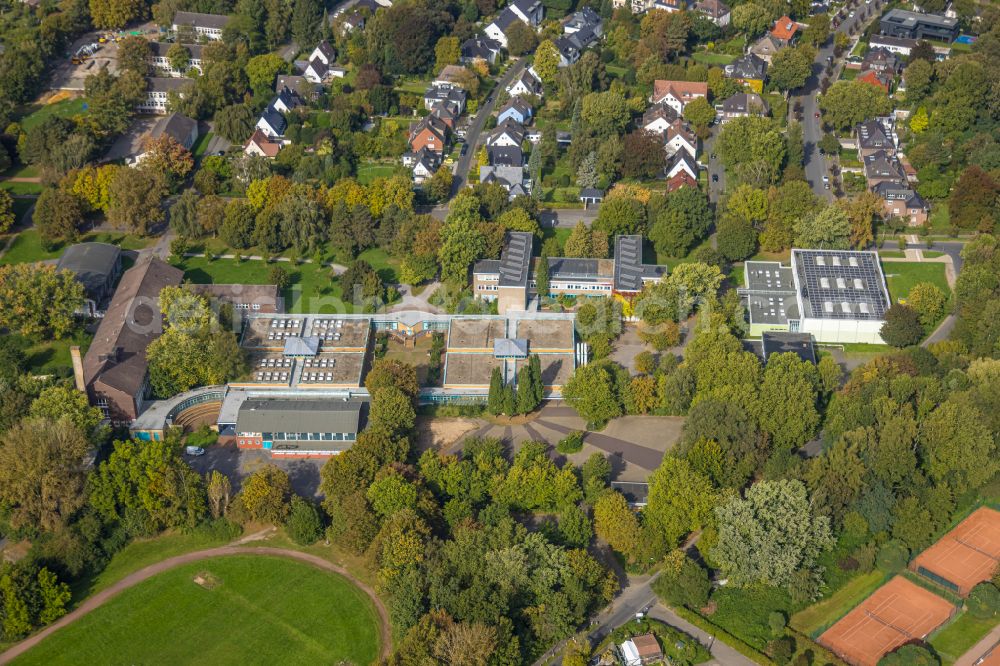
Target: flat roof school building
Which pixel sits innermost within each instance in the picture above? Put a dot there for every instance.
(298, 426)
(839, 296)
(510, 279)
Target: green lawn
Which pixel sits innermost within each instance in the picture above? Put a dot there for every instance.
(940, 218)
(902, 276)
(201, 145)
(383, 264)
(849, 74)
(21, 188)
(823, 614)
(65, 109)
(369, 172)
(254, 610)
(313, 289)
(20, 171)
(46, 357)
(959, 635)
(713, 58)
(27, 246)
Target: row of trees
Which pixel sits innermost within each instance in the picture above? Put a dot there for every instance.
(503, 399)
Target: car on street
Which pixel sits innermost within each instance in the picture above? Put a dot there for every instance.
(713, 156)
(715, 177)
(816, 115)
(194, 450)
(826, 186)
(826, 179)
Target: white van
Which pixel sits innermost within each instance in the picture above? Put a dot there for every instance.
(194, 450)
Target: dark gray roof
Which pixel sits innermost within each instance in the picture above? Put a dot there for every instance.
(505, 19)
(274, 119)
(160, 49)
(749, 66)
(479, 47)
(289, 98)
(515, 261)
(872, 134)
(177, 127)
(912, 19)
(92, 263)
(573, 268)
(591, 193)
(328, 52)
(516, 103)
(635, 493)
(896, 191)
(527, 6)
(194, 19)
(298, 415)
(840, 284)
(780, 342)
(505, 155)
(889, 40)
(744, 102)
(628, 263)
(166, 83)
(487, 266)
(881, 164)
(585, 17)
(567, 47)
(684, 156)
(657, 111)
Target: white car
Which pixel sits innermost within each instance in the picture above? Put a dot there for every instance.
(194, 450)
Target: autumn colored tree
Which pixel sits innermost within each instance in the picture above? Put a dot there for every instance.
(36, 300)
(973, 200)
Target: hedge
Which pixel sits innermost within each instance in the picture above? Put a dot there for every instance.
(721, 634)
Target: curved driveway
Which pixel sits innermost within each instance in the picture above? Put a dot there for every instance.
(102, 597)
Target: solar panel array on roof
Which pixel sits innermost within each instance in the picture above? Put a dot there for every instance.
(840, 284)
(628, 263)
(516, 259)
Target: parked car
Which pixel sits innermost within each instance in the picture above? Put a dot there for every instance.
(194, 450)
(715, 177)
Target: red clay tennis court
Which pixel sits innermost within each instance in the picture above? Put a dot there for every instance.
(965, 556)
(896, 613)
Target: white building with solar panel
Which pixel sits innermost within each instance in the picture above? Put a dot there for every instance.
(838, 296)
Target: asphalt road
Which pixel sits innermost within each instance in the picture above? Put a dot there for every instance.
(715, 168)
(477, 125)
(815, 164)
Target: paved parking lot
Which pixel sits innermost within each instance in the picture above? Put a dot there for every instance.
(237, 465)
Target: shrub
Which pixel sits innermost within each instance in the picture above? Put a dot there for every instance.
(304, 524)
(571, 443)
(984, 601)
(892, 556)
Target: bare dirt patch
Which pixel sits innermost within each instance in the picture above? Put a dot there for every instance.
(442, 433)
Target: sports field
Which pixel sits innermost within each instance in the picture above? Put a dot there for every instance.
(898, 612)
(240, 610)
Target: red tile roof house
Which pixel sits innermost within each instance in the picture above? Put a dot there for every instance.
(429, 133)
(784, 30)
(881, 79)
(677, 94)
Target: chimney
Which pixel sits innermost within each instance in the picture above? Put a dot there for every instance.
(74, 353)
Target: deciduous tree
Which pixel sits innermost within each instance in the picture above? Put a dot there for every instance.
(36, 300)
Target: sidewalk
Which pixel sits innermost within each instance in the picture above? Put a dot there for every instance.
(988, 644)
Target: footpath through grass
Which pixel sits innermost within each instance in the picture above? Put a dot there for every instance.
(247, 609)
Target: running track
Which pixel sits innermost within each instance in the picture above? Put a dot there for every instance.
(102, 597)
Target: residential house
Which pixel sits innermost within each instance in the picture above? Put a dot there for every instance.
(446, 113)
(505, 155)
(496, 30)
(681, 179)
(429, 133)
(677, 94)
(742, 105)
(445, 94)
(158, 91)
(898, 45)
(507, 133)
(569, 52)
(785, 31)
(262, 145)
(96, 266)
(880, 166)
(881, 59)
(902, 201)
(272, 123)
(479, 48)
(913, 25)
(526, 84)
(452, 75)
(658, 118)
(680, 137)
(766, 47)
(584, 21)
(208, 26)
(159, 59)
(641, 651)
(351, 22)
(591, 195)
(317, 71)
(113, 372)
(682, 161)
(515, 110)
(529, 11)
(180, 128)
(324, 53)
(881, 80)
(511, 177)
(286, 100)
(669, 6)
(717, 11)
(750, 70)
(874, 136)
(299, 85)
(423, 163)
